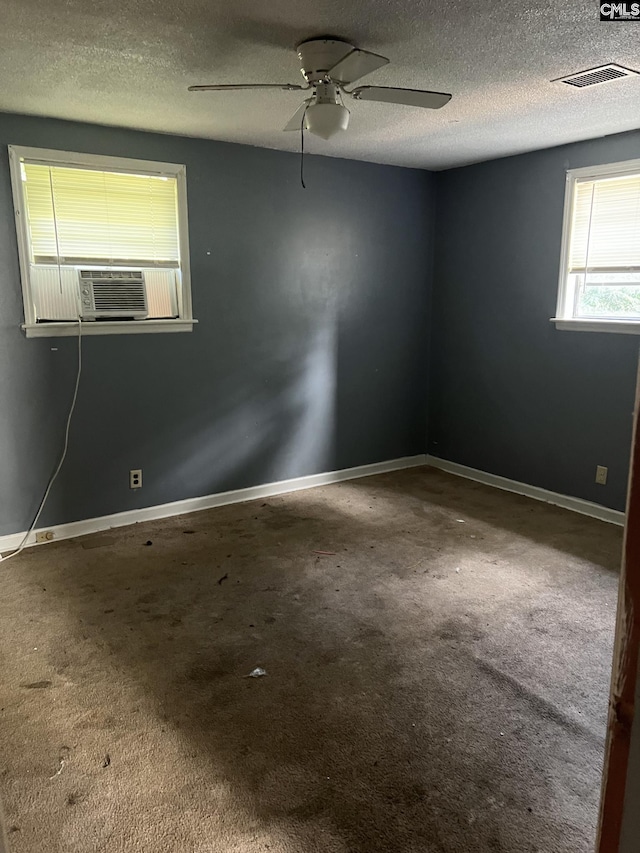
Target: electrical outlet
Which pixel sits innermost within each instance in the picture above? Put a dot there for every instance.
(135, 478)
(601, 475)
(45, 535)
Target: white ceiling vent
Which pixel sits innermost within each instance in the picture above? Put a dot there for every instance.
(601, 74)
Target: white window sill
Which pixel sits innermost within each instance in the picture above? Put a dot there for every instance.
(108, 327)
(622, 327)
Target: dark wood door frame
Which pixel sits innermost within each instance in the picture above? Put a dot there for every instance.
(622, 697)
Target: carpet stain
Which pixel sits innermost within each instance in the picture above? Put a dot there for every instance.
(74, 797)
(205, 674)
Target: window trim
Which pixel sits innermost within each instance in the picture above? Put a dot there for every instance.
(183, 323)
(564, 318)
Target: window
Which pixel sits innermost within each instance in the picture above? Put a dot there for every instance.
(103, 239)
(600, 268)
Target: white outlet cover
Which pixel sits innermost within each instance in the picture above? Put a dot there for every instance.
(601, 475)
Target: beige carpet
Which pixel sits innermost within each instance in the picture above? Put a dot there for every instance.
(436, 683)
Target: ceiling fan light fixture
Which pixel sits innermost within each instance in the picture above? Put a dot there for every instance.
(325, 120)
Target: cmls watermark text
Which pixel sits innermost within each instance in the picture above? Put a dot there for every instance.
(620, 11)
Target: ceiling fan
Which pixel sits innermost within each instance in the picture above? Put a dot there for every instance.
(328, 66)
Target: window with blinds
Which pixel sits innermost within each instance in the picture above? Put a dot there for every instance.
(600, 278)
(79, 213)
(82, 216)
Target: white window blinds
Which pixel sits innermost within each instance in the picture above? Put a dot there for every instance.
(85, 216)
(605, 229)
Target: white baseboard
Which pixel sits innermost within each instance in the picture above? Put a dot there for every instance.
(151, 513)
(613, 516)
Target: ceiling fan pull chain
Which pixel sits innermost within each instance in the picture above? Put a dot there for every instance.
(304, 186)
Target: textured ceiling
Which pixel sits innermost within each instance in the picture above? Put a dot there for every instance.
(129, 62)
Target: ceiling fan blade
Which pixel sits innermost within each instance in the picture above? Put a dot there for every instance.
(287, 87)
(355, 65)
(410, 97)
(295, 122)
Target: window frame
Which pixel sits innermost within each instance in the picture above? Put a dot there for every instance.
(564, 318)
(53, 157)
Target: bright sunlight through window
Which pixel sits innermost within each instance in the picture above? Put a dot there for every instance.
(103, 240)
(600, 271)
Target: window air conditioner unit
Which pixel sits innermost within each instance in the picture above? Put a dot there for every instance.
(112, 294)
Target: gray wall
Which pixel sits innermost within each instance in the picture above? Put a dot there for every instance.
(509, 393)
(311, 352)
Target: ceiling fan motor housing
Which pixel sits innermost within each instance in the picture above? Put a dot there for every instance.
(318, 56)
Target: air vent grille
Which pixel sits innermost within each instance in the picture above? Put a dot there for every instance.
(119, 297)
(593, 76)
(111, 275)
(113, 293)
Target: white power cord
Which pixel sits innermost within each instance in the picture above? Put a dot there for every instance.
(25, 539)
